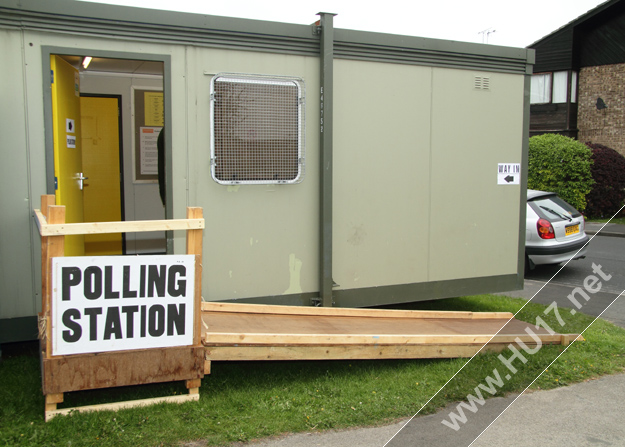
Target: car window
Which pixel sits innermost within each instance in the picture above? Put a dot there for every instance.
(553, 208)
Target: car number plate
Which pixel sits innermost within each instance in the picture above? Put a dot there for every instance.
(572, 229)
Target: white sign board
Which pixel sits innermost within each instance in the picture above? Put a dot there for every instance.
(115, 303)
(509, 174)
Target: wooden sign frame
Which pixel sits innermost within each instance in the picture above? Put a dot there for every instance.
(65, 373)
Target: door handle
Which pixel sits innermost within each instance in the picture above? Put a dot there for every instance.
(81, 180)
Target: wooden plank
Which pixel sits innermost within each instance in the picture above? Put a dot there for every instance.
(343, 311)
(353, 352)
(305, 324)
(115, 406)
(51, 229)
(111, 369)
(214, 338)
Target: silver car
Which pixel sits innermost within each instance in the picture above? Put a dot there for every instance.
(554, 230)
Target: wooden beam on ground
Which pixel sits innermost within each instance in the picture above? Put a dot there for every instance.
(347, 312)
(338, 352)
(216, 339)
(182, 398)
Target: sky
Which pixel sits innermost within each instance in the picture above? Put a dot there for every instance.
(515, 23)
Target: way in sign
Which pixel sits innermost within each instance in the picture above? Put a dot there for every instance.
(509, 168)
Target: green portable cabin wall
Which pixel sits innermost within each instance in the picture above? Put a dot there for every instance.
(414, 155)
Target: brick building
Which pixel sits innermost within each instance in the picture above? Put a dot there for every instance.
(578, 86)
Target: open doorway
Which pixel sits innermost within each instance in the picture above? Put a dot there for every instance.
(121, 115)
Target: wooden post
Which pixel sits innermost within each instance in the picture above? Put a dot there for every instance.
(52, 400)
(52, 247)
(46, 201)
(194, 237)
(193, 386)
(194, 247)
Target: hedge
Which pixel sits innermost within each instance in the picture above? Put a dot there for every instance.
(608, 172)
(562, 165)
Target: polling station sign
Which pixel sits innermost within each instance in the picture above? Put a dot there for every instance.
(115, 303)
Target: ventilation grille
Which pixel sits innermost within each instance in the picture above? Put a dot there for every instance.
(257, 129)
(482, 83)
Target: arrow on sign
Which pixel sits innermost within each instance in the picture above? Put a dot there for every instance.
(509, 178)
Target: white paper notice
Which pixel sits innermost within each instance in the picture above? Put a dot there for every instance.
(148, 151)
(509, 174)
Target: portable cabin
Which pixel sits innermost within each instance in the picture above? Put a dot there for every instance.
(335, 167)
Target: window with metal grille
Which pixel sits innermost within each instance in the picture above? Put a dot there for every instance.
(257, 129)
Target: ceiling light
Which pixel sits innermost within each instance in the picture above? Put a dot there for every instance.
(86, 61)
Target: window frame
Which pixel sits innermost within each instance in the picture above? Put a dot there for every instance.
(570, 88)
(265, 80)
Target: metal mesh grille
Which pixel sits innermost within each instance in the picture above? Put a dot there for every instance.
(257, 129)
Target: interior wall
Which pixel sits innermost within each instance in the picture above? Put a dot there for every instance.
(141, 199)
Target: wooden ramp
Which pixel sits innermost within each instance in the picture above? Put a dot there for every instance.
(264, 332)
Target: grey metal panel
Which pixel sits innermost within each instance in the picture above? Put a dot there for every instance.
(126, 23)
(396, 294)
(407, 293)
(362, 45)
(327, 125)
(115, 22)
(17, 288)
(524, 175)
(18, 329)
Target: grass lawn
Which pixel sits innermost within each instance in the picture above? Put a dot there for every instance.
(242, 401)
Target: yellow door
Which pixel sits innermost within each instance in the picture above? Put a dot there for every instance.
(100, 158)
(67, 152)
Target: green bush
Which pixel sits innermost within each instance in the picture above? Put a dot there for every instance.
(562, 165)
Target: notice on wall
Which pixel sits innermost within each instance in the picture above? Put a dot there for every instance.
(116, 303)
(148, 114)
(153, 103)
(509, 174)
(148, 150)
(71, 141)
